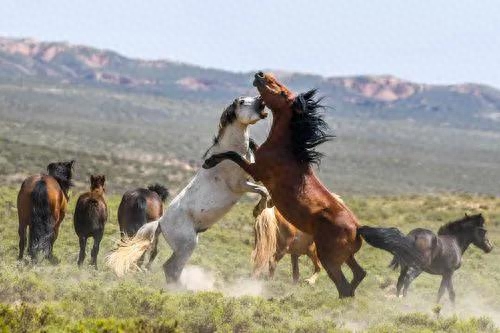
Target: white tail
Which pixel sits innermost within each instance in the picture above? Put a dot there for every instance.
(124, 258)
(266, 237)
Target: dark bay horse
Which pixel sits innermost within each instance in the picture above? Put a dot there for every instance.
(91, 214)
(440, 254)
(284, 165)
(41, 206)
(274, 238)
(139, 207)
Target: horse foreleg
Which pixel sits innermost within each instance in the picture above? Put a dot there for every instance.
(451, 290)
(243, 163)
(295, 268)
(22, 241)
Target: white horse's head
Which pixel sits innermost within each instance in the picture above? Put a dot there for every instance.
(249, 110)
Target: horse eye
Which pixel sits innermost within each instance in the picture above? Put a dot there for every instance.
(242, 102)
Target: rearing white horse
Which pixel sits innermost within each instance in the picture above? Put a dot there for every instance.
(209, 195)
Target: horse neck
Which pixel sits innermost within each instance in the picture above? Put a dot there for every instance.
(235, 137)
(280, 135)
(463, 240)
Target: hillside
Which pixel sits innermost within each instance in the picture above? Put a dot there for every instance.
(465, 105)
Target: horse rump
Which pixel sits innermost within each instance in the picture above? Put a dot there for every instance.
(89, 217)
(395, 242)
(42, 221)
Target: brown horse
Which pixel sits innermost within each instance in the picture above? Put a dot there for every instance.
(91, 214)
(41, 206)
(275, 237)
(284, 165)
(139, 207)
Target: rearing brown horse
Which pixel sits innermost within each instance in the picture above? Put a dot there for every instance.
(284, 165)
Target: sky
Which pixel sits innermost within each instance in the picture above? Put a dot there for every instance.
(428, 41)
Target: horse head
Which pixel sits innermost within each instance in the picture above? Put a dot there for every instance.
(97, 183)
(479, 238)
(275, 95)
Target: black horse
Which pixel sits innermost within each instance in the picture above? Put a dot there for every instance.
(439, 254)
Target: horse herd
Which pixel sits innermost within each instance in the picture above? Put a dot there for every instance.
(296, 213)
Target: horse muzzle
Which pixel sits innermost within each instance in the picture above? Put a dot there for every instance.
(259, 79)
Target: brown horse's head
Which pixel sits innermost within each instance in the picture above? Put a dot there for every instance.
(275, 95)
(97, 182)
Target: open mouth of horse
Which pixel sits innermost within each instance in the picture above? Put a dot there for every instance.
(260, 108)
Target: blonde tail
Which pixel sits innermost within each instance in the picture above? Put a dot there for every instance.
(124, 258)
(266, 238)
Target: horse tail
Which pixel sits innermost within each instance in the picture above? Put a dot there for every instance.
(266, 238)
(42, 221)
(139, 215)
(129, 250)
(393, 241)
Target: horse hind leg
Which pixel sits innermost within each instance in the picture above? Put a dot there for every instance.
(401, 280)
(22, 241)
(311, 253)
(81, 255)
(183, 243)
(95, 249)
(411, 275)
(295, 268)
(333, 267)
(154, 251)
(358, 273)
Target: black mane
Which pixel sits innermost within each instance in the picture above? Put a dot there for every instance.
(308, 128)
(63, 173)
(227, 117)
(464, 224)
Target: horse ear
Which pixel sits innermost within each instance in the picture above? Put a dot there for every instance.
(71, 163)
(50, 167)
(466, 215)
(103, 178)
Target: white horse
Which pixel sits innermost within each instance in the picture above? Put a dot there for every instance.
(209, 195)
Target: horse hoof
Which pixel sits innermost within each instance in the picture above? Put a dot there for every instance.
(311, 282)
(209, 163)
